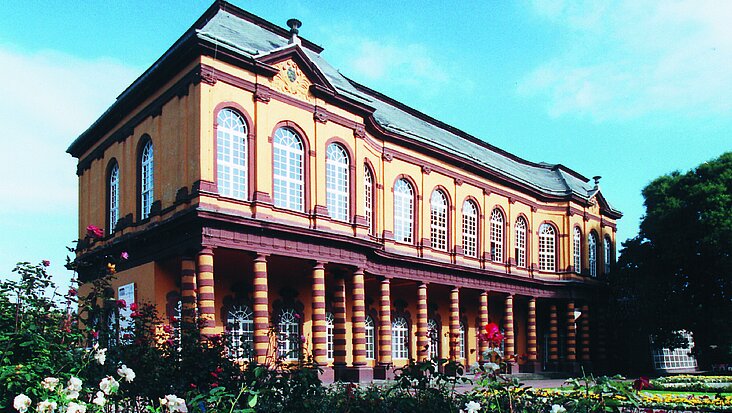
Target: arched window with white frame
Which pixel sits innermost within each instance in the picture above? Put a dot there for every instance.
(577, 249)
(288, 169)
(231, 154)
(433, 331)
(368, 199)
(399, 338)
(403, 212)
(147, 181)
(462, 340)
(240, 330)
(113, 195)
(547, 248)
(520, 230)
(337, 182)
(438, 220)
(370, 335)
(608, 246)
(497, 235)
(329, 334)
(470, 229)
(288, 335)
(592, 253)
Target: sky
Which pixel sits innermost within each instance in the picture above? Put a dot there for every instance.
(628, 89)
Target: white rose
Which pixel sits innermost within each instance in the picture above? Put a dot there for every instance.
(126, 373)
(46, 407)
(99, 400)
(74, 383)
(49, 383)
(556, 408)
(175, 404)
(472, 407)
(101, 356)
(108, 385)
(75, 408)
(21, 403)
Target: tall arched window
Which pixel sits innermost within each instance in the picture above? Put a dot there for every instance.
(337, 182)
(403, 211)
(146, 179)
(399, 338)
(520, 242)
(288, 335)
(470, 229)
(547, 248)
(288, 170)
(329, 334)
(113, 197)
(592, 253)
(368, 198)
(497, 235)
(608, 253)
(433, 331)
(240, 328)
(370, 335)
(577, 249)
(438, 220)
(462, 340)
(231, 154)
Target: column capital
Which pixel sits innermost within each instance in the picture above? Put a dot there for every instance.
(319, 265)
(261, 257)
(206, 251)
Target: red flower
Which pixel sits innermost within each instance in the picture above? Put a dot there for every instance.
(94, 231)
(121, 303)
(297, 316)
(133, 307)
(193, 385)
(135, 314)
(493, 333)
(46, 263)
(126, 336)
(214, 385)
(72, 292)
(219, 370)
(214, 375)
(642, 383)
(95, 334)
(167, 329)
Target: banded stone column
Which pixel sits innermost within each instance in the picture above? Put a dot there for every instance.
(339, 322)
(571, 334)
(261, 308)
(206, 297)
(188, 290)
(532, 348)
(455, 324)
(359, 319)
(585, 334)
(553, 335)
(385, 323)
(510, 342)
(483, 322)
(422, 335)
(320, 341)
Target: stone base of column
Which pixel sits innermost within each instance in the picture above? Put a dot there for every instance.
(383, 372)
(553, 366)
(531, 367)
(512, 368)
(355, 374)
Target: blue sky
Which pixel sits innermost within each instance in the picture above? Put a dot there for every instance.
(628, 90)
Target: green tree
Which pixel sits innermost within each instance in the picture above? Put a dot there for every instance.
(677, 273)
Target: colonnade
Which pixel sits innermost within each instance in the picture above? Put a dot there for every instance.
(197, 296)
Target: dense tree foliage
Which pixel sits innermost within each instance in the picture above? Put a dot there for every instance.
(677, 273)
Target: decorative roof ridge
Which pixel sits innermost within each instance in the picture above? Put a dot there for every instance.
(458, 132)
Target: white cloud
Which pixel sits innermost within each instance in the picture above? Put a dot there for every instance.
(48, 99)
(628, 58)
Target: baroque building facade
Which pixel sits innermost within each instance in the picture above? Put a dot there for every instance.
(257, 188)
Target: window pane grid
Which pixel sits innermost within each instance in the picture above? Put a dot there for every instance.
(547, 247)
(288, 335)
(146, 180)
(608, 254)
(470, 229)
(434, 334)
(577, 244)
(336, 178)
(231, 154)
(329, 334)
(403, 211)
(113, 198)
(592, 254)
(438, 221)
(370, 338)
(399, 339)
(287, 163)
(240, 324)
(462, 340)
(368, 198)
(520, 243)
(497, 235)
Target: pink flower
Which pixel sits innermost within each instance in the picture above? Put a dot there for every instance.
(95, 334)
(297, 316)
(72, 292)
(124, 255)
(167, 329)
(46, 263)
(302, 338)
(121, 303)
(94, 231)
(133, 307)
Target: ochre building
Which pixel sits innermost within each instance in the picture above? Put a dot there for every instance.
(260, 190)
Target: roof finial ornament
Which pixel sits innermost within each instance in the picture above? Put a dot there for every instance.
(597, 181)
(294, 25)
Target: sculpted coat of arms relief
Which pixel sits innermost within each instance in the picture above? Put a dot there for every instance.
(291, 80)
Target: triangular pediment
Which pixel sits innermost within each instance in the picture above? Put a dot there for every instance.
(296, 73)
(604, 207)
